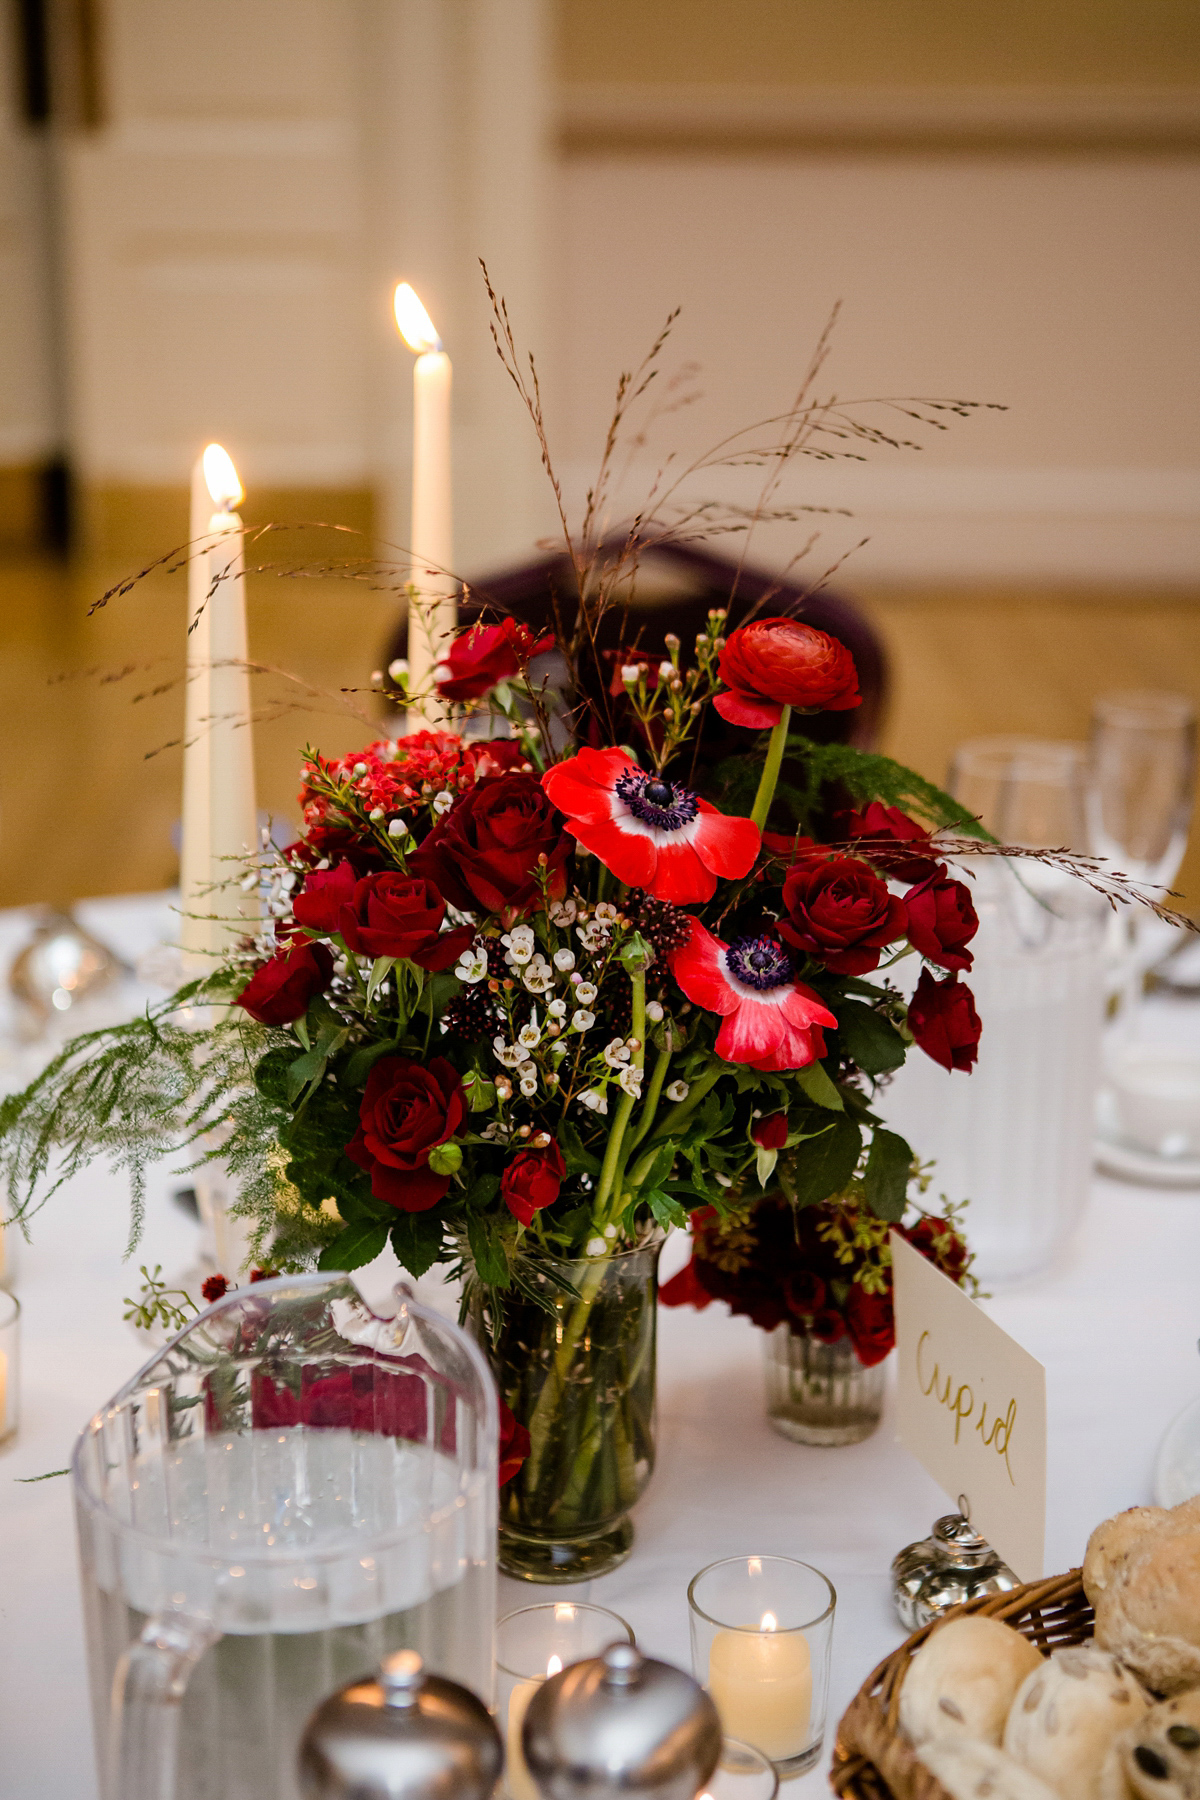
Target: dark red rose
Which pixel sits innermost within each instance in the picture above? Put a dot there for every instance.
(943, 1020)
(685, 1289)
(319, 903)
(841, 912)
(773, 663)
(942, 921)
(486, 654)
(771, 1134)
(483, 855)
(871, 1323)
(336, 842)
(214, 1288)
(281, 990)
(827, 1326)
(805, 1292)
(400, 915)
(888, 832)
(514, 1445)
(532, 1180)
(499, 756)
(952, 1258)
(407, 1110)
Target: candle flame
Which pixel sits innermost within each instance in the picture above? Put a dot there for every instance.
(221, 478)
(769, 1622)
(413, 322)
(553, 1667)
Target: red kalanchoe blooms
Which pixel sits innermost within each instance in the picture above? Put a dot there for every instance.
(772, 1133)
(486, 654)
(942, 921)
(773, 663)
(532, 1180)
(943, 1020)
(889, 833)
(408, 1109)
(514, 1444)
(770, 1020)
(267, 1274)
(487, 853)
(214, 1288)
(840, 911)
(652, 833)
(280, 991)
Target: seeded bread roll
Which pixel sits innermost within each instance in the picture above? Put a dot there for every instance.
(1142, 1576)
(1159, 1757)
(961, 1682)
(969, 1770)
(1067, 1713)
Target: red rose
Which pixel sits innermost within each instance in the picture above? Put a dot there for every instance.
(514, 1444)
(319, 903)
(399, 915)
(483, 855)
(805, 1292)
(943, 1020)
(871, 1322)
(685, 1289)
(942, 921)
(281, 990)
(774, 663)
(532, 1180)
(407, 1110)
(827, 1326)
(840, 912)
(889, 831)
(771, 1134)
(486, 654)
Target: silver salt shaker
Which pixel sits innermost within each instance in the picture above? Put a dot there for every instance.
(949, 1567)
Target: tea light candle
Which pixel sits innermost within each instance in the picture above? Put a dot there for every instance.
(518, 1780)
(761, 1682)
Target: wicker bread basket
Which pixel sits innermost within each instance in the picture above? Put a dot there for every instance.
(871, 1761)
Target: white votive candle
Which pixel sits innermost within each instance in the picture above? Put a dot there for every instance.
(517, 1779)
(761, 1684)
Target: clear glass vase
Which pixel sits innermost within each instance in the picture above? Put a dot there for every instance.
(576, 1366)
(821, 1393)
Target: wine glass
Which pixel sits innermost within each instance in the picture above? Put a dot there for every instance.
(1143, 779)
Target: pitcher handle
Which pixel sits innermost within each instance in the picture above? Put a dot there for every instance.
(148, 1688)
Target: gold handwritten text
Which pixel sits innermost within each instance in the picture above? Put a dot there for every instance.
(960, 1401)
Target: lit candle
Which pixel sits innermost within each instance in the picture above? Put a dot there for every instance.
(431, 539)
(761, 1684)
(219, 807)
(517, 1779)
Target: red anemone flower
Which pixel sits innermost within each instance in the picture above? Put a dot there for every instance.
(652, 833)
(770, 1020)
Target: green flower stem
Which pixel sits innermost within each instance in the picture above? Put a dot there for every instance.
(653, 1093)
(771, 768)
(552, 1388)
(682, 1110)
(609, 1188)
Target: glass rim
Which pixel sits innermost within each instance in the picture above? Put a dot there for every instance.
(1009, 753)
(587, 1606)
(1150, 707)
(793, 1562)
(11, 1317)
(655, 1241)
(748, 1751)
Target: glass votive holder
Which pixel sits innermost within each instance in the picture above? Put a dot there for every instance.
(531, 1645)
(10, 1363)
(762, 1627)
(743, 1773)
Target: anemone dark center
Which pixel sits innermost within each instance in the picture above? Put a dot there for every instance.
(656, 802)
(760, 961)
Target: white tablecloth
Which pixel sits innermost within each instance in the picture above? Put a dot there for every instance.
(1116, 1326)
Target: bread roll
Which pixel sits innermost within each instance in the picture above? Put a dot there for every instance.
(1159, 1757)
(961, 1682)
(1066, 1715)
(1142, 1576)
(969, 1770)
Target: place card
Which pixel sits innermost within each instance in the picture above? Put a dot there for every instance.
(971, 1408)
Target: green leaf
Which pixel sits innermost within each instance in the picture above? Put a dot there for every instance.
(816, 1084)
(360, 1064)
(483, 1190)
(889, 1164)
(828, 1163)
(480, 1092)
(660, 1168)
(417, 1241)
(350, 1249)
(574, 1154)
(666, 1210)
(443, 988)
(869, 1039)
(381, 968)
(487, 1250)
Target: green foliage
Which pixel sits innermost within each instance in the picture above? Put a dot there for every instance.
(157, 1303)
(869, 1039)
(887, 1174)
(828, 1163)
(358, 1244)
(811, 770)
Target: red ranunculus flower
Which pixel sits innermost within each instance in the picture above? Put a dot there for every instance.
(514, 1444)
(319, 903)
(281, 990)
(486, 654)
(772, 1133)
(840, 911)
(942, 921)
(773, 663)
(400, 915)
(532, 1180)
(483, 855)
(890, 833)
(871, 1322)
(943, 1020)
(770, 1020)
(652, 833)
(407, 1110)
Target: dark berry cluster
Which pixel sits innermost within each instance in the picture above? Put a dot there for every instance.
(665, 928)
(473, 1014)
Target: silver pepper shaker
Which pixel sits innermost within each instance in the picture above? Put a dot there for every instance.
(405, 1735)
(951, 1566)
(620, 1725)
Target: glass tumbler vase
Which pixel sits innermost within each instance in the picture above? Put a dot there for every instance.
(578, 1372)
(821, 1393)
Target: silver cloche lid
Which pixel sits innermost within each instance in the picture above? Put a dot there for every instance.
(619, 1725)
(403, 1735)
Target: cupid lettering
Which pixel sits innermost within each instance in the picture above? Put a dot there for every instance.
(961, 1402)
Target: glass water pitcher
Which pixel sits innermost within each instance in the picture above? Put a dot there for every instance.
(294, 1487)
